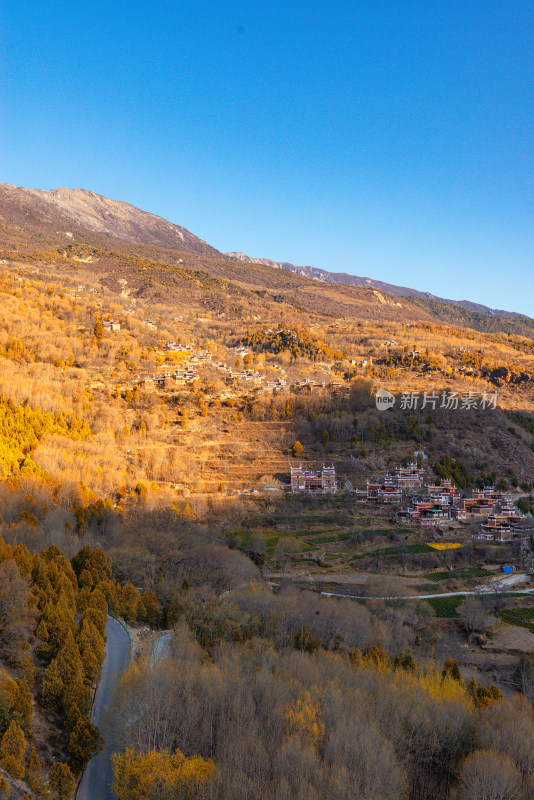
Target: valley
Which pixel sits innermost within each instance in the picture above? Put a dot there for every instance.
(193, 444)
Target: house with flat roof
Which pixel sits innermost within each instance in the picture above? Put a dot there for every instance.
(322, 481)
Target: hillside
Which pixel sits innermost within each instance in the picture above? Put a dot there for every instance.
(49, 232)
(153, 400)
(78, 214)
(345, 279)
(472, 316)
(118, 242)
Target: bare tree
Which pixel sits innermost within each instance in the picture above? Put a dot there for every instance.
(524, 676)
(473, 615)
(508, 727)
(486, 775)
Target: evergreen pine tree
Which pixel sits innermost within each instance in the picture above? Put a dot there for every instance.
(12, 749)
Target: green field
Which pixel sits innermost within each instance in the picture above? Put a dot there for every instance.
(327, 518)
(446, 607)
(523, 617)
(397, 550)
(243, 539)
(387, 531)
(466, 572)
(418, 548)
(328, 539)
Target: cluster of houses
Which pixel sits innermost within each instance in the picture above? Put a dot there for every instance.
(505, 524)
(307, 481)
(433, 503)
(230, 375)
(443, 502)
(165, 380)
(307, 385)
(175, 347)
(389, 490)
(256, 381)
(483, 500)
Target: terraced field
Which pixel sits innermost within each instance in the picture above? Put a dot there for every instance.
(466, 572)
(522, 617)
(327, 539)
(446, 607)
(417, 549)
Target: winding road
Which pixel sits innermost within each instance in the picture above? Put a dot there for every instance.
(422, 596)
(502, 587)
(98, 776)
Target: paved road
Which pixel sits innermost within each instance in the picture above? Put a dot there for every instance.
(160, 648)
(477, 592)
(97, 778)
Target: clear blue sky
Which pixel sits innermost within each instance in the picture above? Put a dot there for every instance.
(387, 139)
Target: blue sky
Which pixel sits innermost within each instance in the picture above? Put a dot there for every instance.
(385, 139)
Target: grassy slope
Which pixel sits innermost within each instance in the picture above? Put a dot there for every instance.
(458, 315)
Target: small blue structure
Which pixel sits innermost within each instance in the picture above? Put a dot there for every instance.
(507, 568)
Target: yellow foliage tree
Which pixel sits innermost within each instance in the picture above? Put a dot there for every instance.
(377, 658)
(62, 783)
(52, 687)
(19, 700)
(92, 649)
(33, 770)
(142, 776)
(130, 598)
(12, 749)
(303, 719)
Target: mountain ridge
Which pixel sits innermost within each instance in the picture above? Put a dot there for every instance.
(61, 219)
(344, 278)
(94, 212)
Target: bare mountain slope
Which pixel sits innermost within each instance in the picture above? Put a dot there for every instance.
(117, 241)
(76, 210)
(355, 280)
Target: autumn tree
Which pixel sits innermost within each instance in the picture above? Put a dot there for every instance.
(84, 743)
(12, 749)
(16, 703)
(297, 449)
(303, 719)
(473, 615)
(91, 646)
(165, 775)
(61, 781)
(15, 613)
(22, 702)
(72, 674)
(52, 687)
(33, 773)
(98, 329)
(129, 603)
(93, 565)
(507, 727)
(451, 669)
(151, 609)
(483, 696)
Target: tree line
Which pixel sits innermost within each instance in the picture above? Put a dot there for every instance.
(53, 614)
(303, 723)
